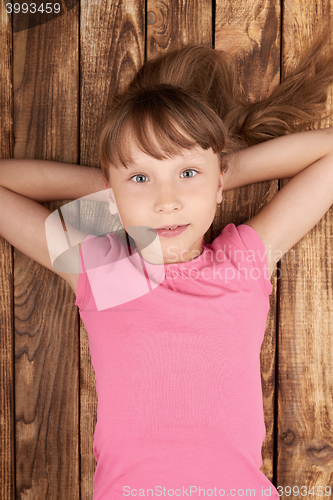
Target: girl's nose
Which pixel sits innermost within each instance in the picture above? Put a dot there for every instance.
(167, 202)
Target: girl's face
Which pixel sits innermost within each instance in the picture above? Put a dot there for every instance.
(183, 190)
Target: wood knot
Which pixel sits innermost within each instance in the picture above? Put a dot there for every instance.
(151, 17)
(288, 437)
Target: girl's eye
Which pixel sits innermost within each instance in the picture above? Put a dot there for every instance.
(138, 175)
(142, 175)
(190, 170)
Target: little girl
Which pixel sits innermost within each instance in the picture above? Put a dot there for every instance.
(178, 366)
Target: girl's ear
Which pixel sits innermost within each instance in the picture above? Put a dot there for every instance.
(220, 189)
(112, 201)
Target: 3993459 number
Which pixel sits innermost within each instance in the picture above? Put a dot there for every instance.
(304, 491)
(32, 8)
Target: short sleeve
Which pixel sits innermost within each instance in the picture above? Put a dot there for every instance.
(96, 253)
(256, 248)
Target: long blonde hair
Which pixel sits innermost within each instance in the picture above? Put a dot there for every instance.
(191, 96)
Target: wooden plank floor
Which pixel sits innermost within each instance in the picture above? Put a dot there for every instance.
(46, 94)
(57, 80)
(7, 409)
(304, 426)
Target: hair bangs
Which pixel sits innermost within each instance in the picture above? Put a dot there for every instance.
(158, 137)
(161, 122)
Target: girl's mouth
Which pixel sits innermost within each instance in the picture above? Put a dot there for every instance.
(171, 233)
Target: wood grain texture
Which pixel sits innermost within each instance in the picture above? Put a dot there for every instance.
(305, 409)
(112, 50)
(7, 444)
(250, 31)
(45, 77)
(173, 24)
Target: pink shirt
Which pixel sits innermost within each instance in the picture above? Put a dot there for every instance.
(177, 369)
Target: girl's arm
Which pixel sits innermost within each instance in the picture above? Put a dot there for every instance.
(42, 180)
(304, 200)
(22, 224)
(280, 158)
(23, 183)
